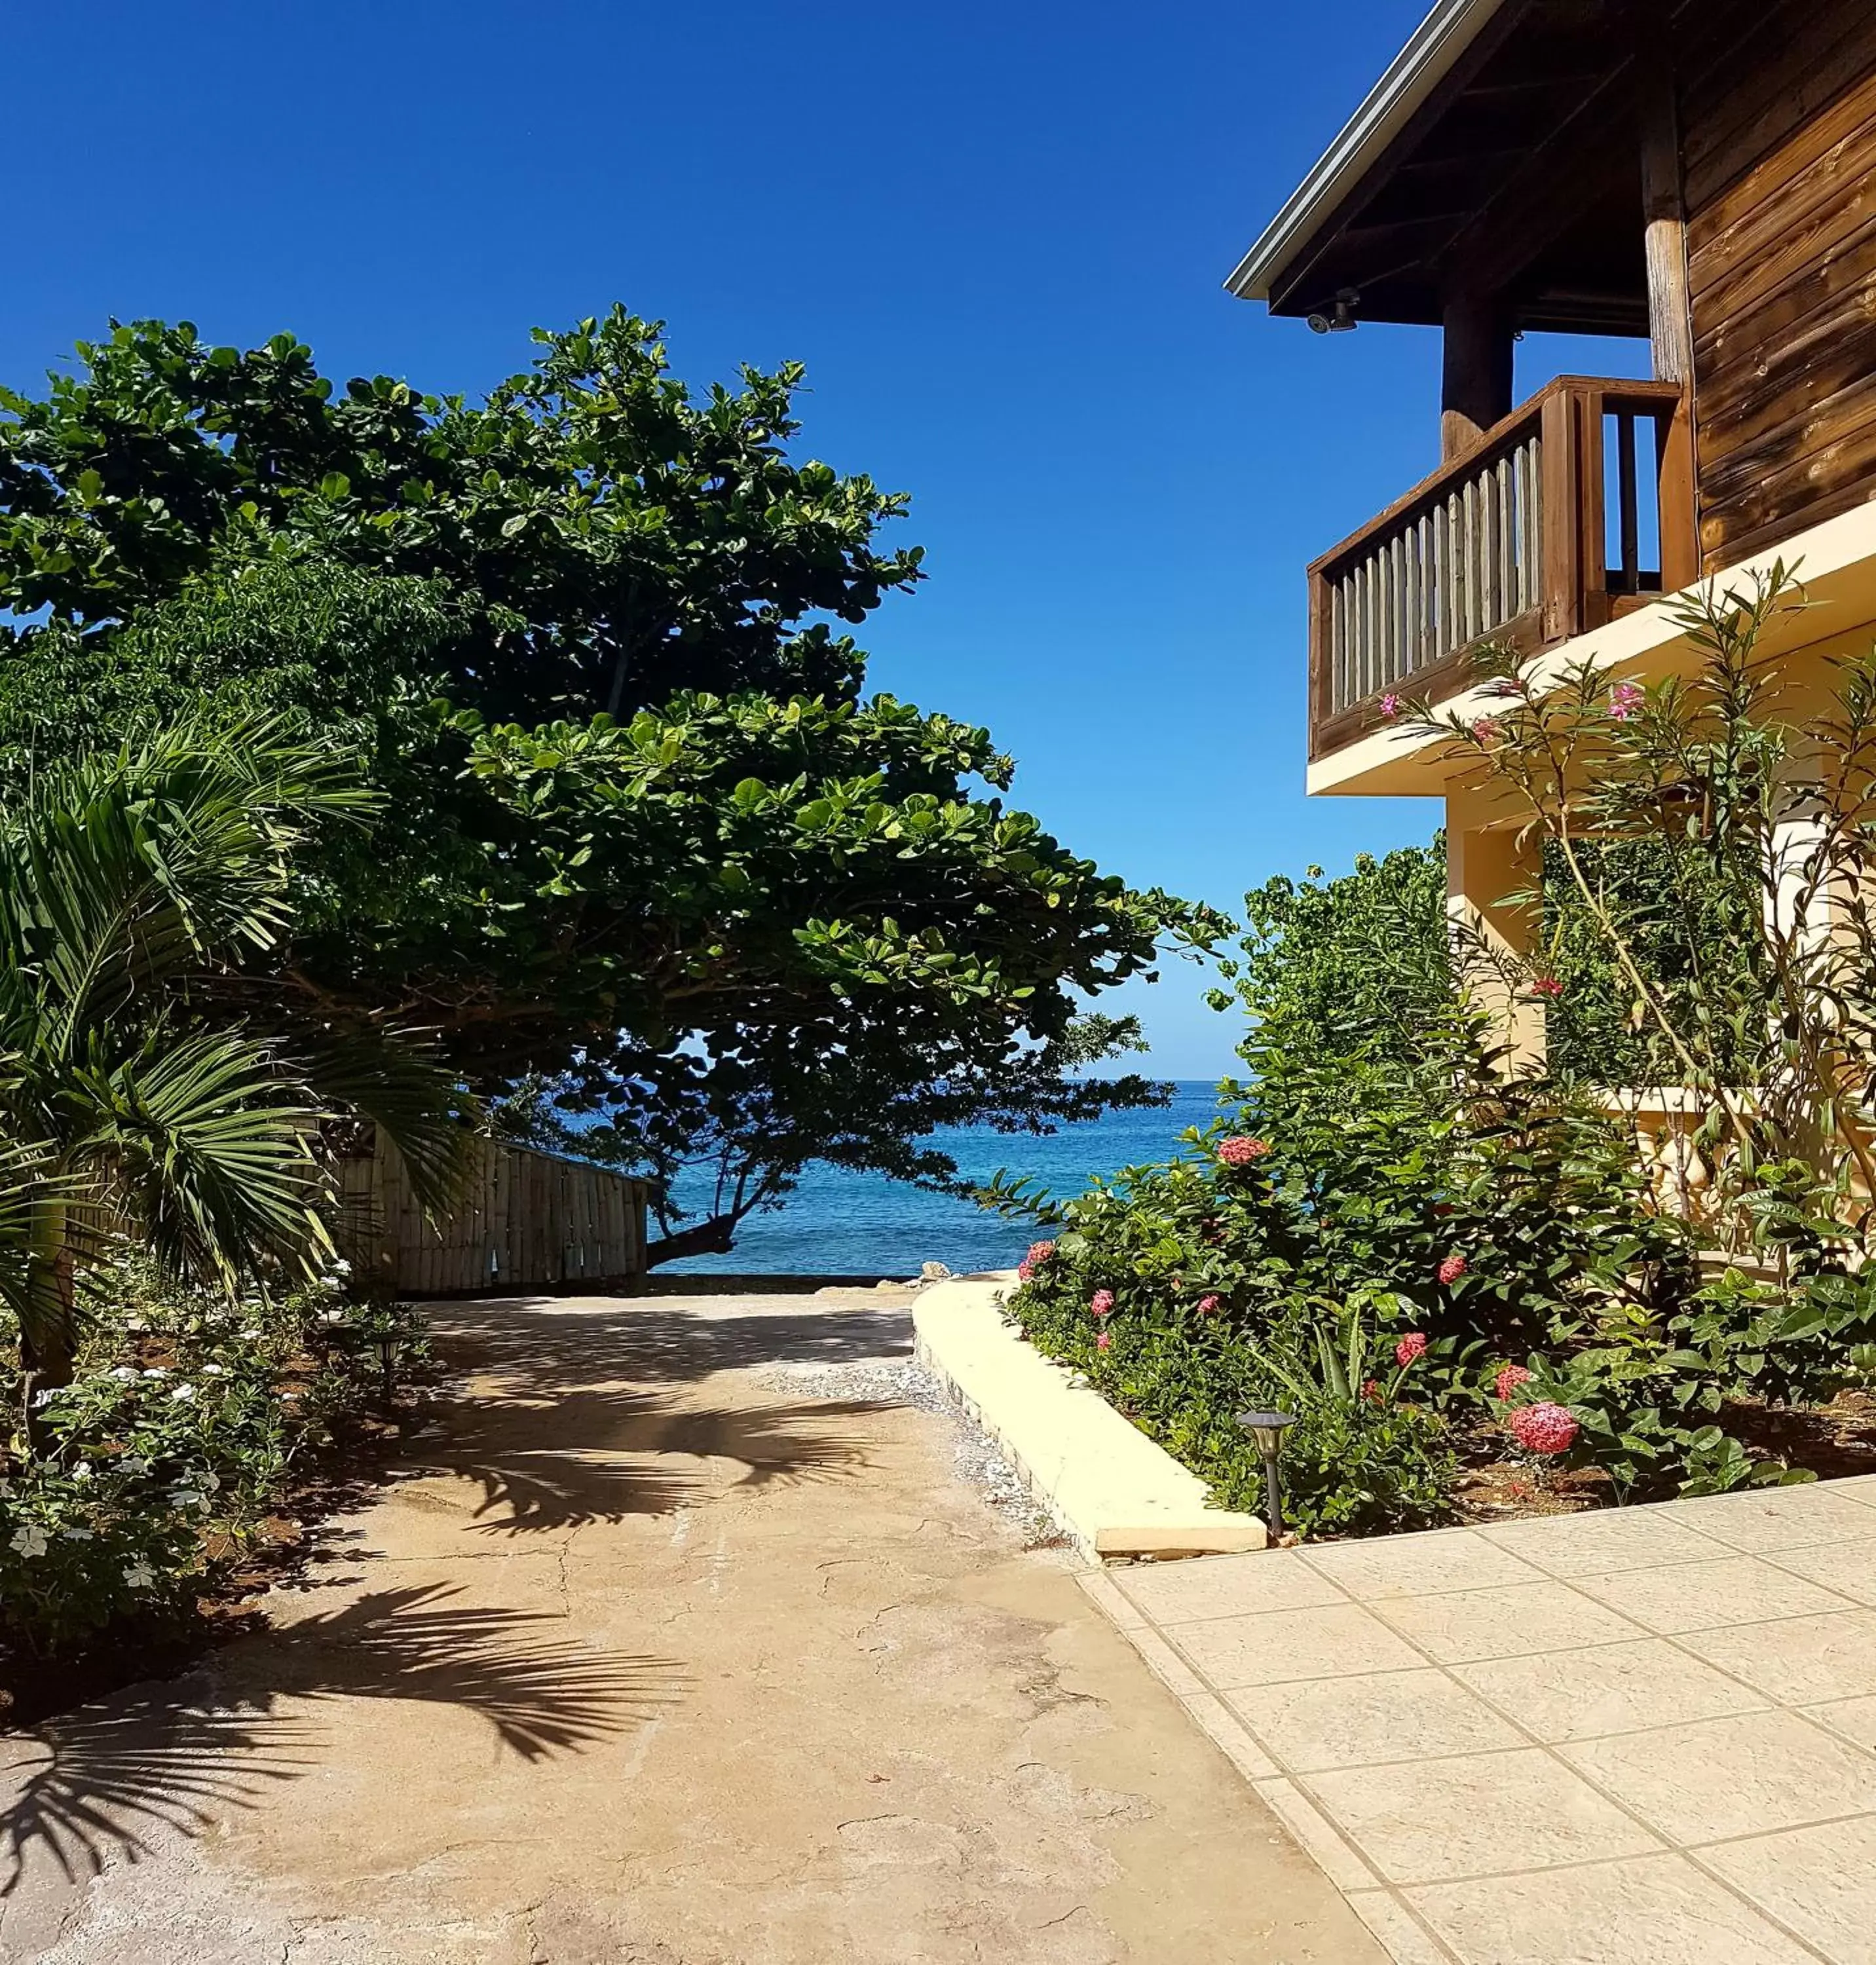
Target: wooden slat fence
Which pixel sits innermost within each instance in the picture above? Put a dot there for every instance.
(525, 1221)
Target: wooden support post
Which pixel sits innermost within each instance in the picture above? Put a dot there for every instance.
(1475, 382)
(1664, 212)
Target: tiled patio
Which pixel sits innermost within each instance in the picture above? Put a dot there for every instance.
(1644, 1737)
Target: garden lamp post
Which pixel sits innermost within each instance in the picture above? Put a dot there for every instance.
(1267, 1429)
(389, 1346)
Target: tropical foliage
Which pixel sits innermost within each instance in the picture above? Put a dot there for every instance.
(141, 1102)
(646, 857)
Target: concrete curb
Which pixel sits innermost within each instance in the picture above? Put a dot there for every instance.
(1104, 1483)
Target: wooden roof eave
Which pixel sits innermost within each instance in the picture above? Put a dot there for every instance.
(1445, 38)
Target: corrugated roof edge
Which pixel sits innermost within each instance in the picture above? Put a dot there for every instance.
(1437, 43)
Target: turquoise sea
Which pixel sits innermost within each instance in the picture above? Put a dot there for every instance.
(841, 1224)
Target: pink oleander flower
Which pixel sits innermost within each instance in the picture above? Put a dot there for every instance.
(1105, 1342)
(1039, 1253)
(1485, 730)
(1544, 1428)
(1625, 699)
(1390, 706)
(1102, 1303)
(1546, 985)
(1207, 1306)
(1411, 1347)
(1451, 1268)
(1371, 1390)
(1239, 1151)
(1508, 1380)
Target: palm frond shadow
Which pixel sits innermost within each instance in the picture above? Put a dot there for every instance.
(99, 1783)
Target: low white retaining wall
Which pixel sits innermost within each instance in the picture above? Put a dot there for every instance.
(1106, 1485)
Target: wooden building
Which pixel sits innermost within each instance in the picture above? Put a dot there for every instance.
(1701, 173)
(525, 1221)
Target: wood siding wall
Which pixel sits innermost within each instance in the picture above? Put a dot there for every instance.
(526, 1221)
(1778, 140)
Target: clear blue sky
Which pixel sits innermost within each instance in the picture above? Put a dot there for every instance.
(996, 235)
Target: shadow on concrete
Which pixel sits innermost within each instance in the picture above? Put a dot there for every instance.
(95, 1784)
(562, 1429)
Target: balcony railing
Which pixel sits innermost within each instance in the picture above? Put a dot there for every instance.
(1577, 507)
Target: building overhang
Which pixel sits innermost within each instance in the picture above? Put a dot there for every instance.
(1415, 72)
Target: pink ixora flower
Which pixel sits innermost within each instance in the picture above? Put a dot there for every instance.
(1451, 1268)
(1105, 1342)
(1239, 1151)
(1508, 1380)
(1207, 1306)
(1102, 1303)
(1546, 985)
(1390, 706)
(1040, 1252)
(1411, 1347)
(1544, 1428)
(1625, 699)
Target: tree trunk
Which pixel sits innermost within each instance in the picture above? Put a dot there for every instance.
(714, 1237)
(48, 1335)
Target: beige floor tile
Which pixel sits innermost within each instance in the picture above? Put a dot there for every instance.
(1417, 1565)
(1656, 1910)
(1464, 1624)
(1351, 1722)
(1848, 1568)
(1796, 1660)
(1821, 1882)
(1696, 1595)
(1764, 1518)
(1604, 1539)
(1163, 1661)
(1607, 1689)
(1100, 1588)
(1733, 1777)
(1483, 1815)
(1854, 1718)
(1312, 1828)
(1281, 1645)
(1404, 1937)
(1225, 1586)
(1229, 1735)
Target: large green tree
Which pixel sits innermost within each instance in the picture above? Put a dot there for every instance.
(645, 848)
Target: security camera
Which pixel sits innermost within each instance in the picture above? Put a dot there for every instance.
(1342, 321)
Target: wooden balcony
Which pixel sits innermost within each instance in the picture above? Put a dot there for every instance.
(1575, 508)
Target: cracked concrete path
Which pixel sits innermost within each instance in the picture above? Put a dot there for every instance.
(662, 1650)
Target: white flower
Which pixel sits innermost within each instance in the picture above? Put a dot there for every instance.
(342, 1267)
(83, 1472)
(184, 1391)
(30, 1542)
(214, 1371)
(128, 1373)
(157, 1371)
(332, 1316)
(140, 1576)
(134, 1463)
(43, 1398)
(256, 1332)
(78, 1535)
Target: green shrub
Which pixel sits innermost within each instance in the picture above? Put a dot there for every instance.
(176, 1438)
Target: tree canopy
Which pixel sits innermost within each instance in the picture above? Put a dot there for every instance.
(644, 850)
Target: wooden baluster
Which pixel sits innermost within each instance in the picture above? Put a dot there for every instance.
(1507, 544)
(1629, 579)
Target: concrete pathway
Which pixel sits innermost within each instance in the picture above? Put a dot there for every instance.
(680, 1644)
(1637, 1737)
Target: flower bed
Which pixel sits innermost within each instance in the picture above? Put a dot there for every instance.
(1438, 1289)
(158, 1472)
